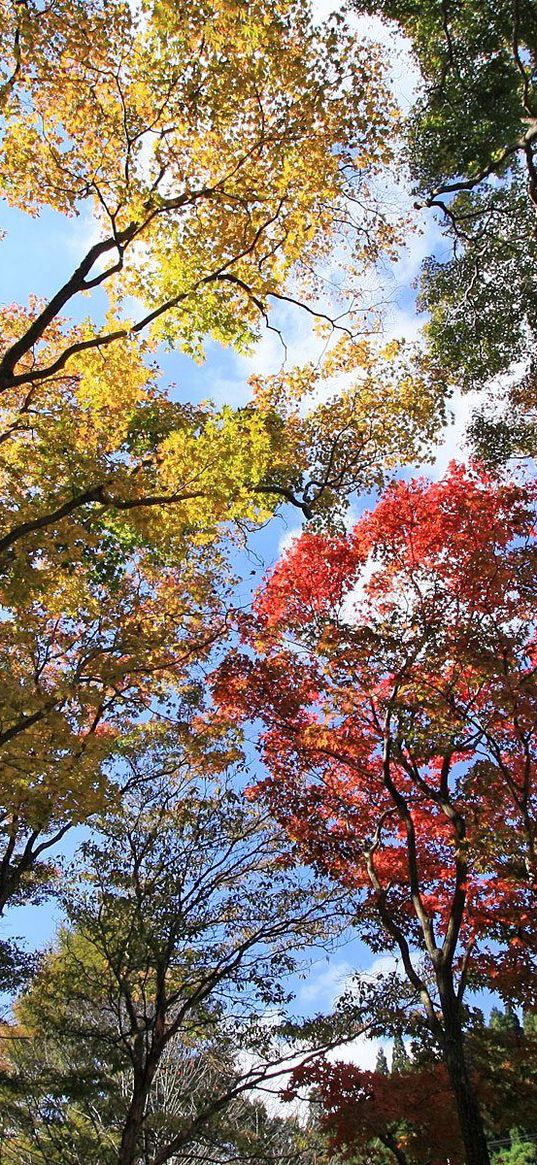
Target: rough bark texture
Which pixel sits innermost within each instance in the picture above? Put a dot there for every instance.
(470, 1120)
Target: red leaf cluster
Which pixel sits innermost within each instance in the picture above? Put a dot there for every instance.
(393, 670)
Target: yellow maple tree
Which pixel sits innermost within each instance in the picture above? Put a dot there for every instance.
(228, 152)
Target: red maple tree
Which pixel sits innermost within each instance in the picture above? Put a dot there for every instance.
(394, 670)
(360, 1109)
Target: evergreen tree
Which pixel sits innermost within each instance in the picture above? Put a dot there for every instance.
(400, 1056)
(505, 1021)
(529, 1021)
(381, 1065)
(520, 1152)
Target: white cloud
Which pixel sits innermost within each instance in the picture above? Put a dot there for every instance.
(361, 1051)
(382, 965)
(229, 390)
(325, 985)
(323, 989)
(320, 992)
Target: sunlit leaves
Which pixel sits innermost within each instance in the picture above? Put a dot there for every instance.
(221, 148)
(394, 675)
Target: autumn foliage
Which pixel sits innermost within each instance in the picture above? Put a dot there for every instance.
(409, 1111)
(395, 676)
(394, 671)
(360, 1108)
(233, 164)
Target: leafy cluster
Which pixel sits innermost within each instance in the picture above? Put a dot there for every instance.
(471, 151)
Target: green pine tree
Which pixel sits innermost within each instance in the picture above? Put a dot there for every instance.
(520, 1151)
(504, 1021)
(529, 1022)
(400, 1056)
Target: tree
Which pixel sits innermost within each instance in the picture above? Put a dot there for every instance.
(371, 1116)
(505, 1060)
(111, 607)
(188, 1079)
(187, 141)
(188, 138)
(505, 1020)
(381, 1064)
(400, 1057)
(471, 146)
(89, 670)
(529, 1021)
(398, 1116)
(393, 671)
(157, 1009)
(520, 1152)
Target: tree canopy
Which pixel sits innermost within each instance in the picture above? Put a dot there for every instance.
(185, 136)
(394, 673)
(471, 150)
(143, 1032)
(246, 781)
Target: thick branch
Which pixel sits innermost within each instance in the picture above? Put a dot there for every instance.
(412, 858)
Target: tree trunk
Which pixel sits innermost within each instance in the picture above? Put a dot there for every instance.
(470, 1120)
(128, 1150)
(134, 1120)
